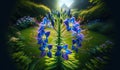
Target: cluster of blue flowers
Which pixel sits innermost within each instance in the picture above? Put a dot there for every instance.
(25, 22)
(74, 27)
(43, 38)
(62, 50)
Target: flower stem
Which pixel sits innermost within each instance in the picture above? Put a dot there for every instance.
(59, 32)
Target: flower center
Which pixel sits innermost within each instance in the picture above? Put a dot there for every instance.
(70, 24)
(44, 37)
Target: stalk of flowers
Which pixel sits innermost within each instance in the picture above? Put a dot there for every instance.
(43, 41)
(62, 49)
(74, 27)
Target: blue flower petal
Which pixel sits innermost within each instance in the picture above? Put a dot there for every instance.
(74, 28)
(73, 41)
(73, 47)
(47, 33)
(65, 46)
(58, 53)
(43, 53)
(49, 46)
(49, 54)
(66, 22)
(72, 20)
(41, 48)
(45, 21)
(41, 33)
(65, 56)
(46, 40)
(68, 51)
(68, 28)
(40, 41)
(44, 44)
(79, 44)
(59, 48)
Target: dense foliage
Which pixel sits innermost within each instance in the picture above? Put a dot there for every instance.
(27, 8)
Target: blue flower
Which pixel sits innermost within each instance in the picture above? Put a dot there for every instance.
(65, 47)
(80, 36)
(59, 48)
(58, 53)
(40, 41)
(45, 20)
(65, 56)
(73, 47)
(73, 41)
(42, 48)
(71, 24)
(49, 47)
(47, 33)
(41, 33)
(49, 54)
(43, 53)
(72, 20)
(68, 51)
(46, 40)
(66, 21)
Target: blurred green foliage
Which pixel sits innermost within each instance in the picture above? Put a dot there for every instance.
(104, 28)
(96, 9)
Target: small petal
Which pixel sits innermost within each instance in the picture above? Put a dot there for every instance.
(66, 22)
(41, 48)
(58, 53)
(72, 20)
(68, 51)
(43, 53)
(65, 56)
(79, 44)
(40, 41)
(44, 44)
(47, 33)
(68, 28)
(65, 46)
(45, 21)
(59, 48)
(49, 54)
(46, 40)
(73, 47)
(49, 46)
(73, 41)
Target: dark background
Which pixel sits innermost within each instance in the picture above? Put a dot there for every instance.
(6, 7)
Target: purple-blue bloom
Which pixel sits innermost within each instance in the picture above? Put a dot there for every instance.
(65, 46)
(47, 33)
(43, 53)
(49, 54)
(65, 56)
(58, 53)
(68, 51)
(73, 41)
(49, 46)
(42, 48)
(59, 48)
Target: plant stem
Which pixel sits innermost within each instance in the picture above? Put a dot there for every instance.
(59, 32)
